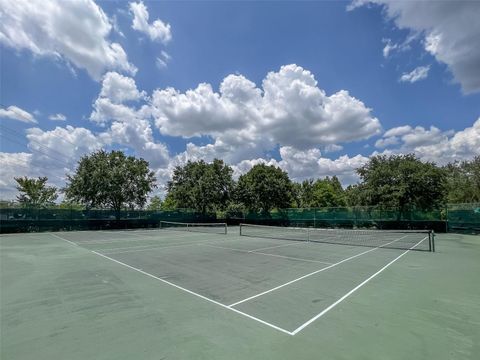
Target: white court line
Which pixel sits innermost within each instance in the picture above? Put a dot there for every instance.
(193, 293)
(96, 242)
(61, 238)
(182, 288)
(156, 234)
(304, 325)
(151, 248)
(290, 257)
(295, 242)
(312, 273)
(267, 254)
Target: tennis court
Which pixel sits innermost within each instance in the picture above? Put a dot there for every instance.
(188, 292)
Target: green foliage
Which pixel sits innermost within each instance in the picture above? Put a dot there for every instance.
(264, 188)
(65, 204)
(353, 195)
(401, 182)
(463, 181)
(155, 203)
(111, 180)
(35, 193)
(235, 210)
(169, 203)
(201, 186)
(319, 193)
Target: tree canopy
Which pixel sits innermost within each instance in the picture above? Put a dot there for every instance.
(201, 186)
(111, 180)
(35, 192)
(264, 188)
(401, 182)
(155, 203)
(463, 181)
(327, 192)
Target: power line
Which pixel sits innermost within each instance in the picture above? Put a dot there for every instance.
(62, 158)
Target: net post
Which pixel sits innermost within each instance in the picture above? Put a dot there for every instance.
(432, 234)
(226, 229)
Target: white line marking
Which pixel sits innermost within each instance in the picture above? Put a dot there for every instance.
(277, 246)
(304, 325)
(183, 289)
(150, 248)
(61, 238)
(308, 275)
(193, 293)
(291, 257)
(267, 254)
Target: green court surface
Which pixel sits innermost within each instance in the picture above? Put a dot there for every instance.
(165, 294)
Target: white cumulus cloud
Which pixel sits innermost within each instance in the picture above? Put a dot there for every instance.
(156, 31)
(290, 109)
(57, 117)
(75, 31)
(417, 74)
(15, 113)
(449, 30)
(433, 144)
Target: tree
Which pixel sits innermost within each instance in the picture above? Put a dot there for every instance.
(169, 203)
(111, 180)
(463, 181)
(35, 192)
(264, 188)
(353, 195)
(201, 186)
(326, 192)
(402, 182)
(155, 203)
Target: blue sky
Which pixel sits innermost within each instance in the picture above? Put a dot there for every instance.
(313, 87)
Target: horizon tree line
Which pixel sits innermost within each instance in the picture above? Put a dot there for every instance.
(112, 180)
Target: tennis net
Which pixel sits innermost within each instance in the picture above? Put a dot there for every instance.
(392, 239)
(213, 228)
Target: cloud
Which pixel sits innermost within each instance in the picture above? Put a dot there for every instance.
(449, 30)
(398, 131)
(128, 126)
(383, 143)
(51, 153)
(333, 148)
(57, 117)
(61, 147)
(389, 47)
(119, 88)
(433, 144)
(163, 59)
(157, 31)
(15, 113)
(74, 31)
(416, 74)
(290, 109)
(13, 165)
(301, 165)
